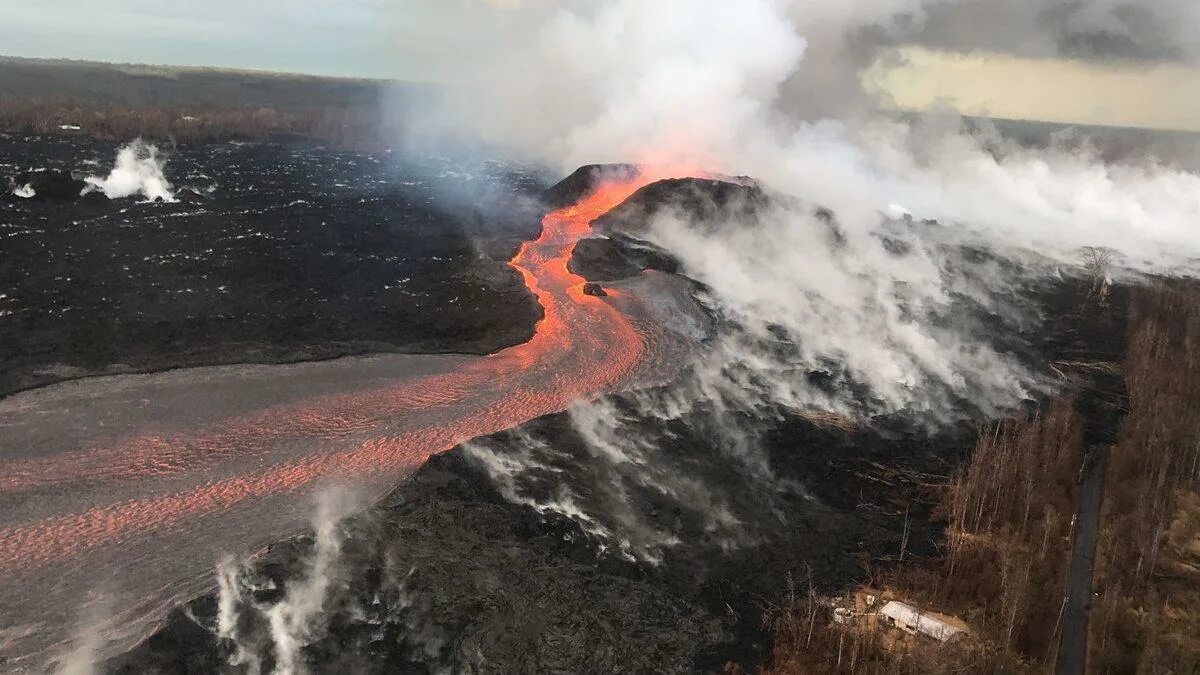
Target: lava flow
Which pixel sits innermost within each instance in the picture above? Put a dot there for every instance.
(136, 485)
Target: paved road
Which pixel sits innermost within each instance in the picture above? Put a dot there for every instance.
(1072, 647)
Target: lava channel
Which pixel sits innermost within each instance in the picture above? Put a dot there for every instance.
(137, 484)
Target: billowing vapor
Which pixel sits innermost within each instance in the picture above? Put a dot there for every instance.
(291, 620)
(294, 620)
(618, 471)
(881, 311)
(229, 601)
(88, 644)
(717, 85)
(138, 170)
(616, 81)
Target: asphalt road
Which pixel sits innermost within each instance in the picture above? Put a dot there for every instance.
(1072, 646)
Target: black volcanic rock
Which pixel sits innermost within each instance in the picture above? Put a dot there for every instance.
(618, 257)
(49, 185)
(594, 289)
(701, 200)
(453, 572)
(189, 196)
(446, 574)
(181, 646)
(572, 188)
(705, 203)
(456, 579)
(300, 256)
(94, 198)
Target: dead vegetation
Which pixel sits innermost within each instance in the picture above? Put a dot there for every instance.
(195, 105)
(808, 640)
(1147, 578)
(1097, 261)
(1010, 513)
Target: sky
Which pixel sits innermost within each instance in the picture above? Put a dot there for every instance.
(1145, 95)
(412, 39)
(321, 37)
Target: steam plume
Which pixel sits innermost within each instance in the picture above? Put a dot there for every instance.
(138, 170)
(771, 89)
(722, 86)
(295, 620)
(88, 644)
(292, 619)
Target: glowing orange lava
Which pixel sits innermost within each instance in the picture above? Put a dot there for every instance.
(137, 484)
(102, 505)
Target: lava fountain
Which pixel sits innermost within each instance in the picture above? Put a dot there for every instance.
(125, 490)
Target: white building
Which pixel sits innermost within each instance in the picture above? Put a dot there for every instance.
(909, 619)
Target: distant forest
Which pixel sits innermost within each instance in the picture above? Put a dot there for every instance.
(114, 101)
(196, 105)
(1176, 148)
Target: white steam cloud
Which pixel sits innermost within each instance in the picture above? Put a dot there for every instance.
(605, 487)
(771, 89)
(718, 85)
(87, 646)
(291, 620)
(138, 170)
(296, 619)
(861, 310)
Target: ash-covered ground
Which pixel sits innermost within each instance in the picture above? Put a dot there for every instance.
(274, 253)
(648, 531)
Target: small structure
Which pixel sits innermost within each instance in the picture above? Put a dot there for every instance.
(866, 600)
(913, 621)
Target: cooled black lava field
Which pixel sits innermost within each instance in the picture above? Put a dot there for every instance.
(652, 526)
(295, 252)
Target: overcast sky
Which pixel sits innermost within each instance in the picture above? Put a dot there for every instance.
(327, 37)
(412, 39)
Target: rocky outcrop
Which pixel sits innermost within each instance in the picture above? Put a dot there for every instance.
(595, 290)
(703, 201)
(620, 253)
(618, 256)
(189, 196)
(574, 187)
(47, 185)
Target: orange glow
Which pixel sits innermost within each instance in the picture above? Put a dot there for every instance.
(583, 347)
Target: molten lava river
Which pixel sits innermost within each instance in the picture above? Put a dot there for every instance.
(119, 494)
